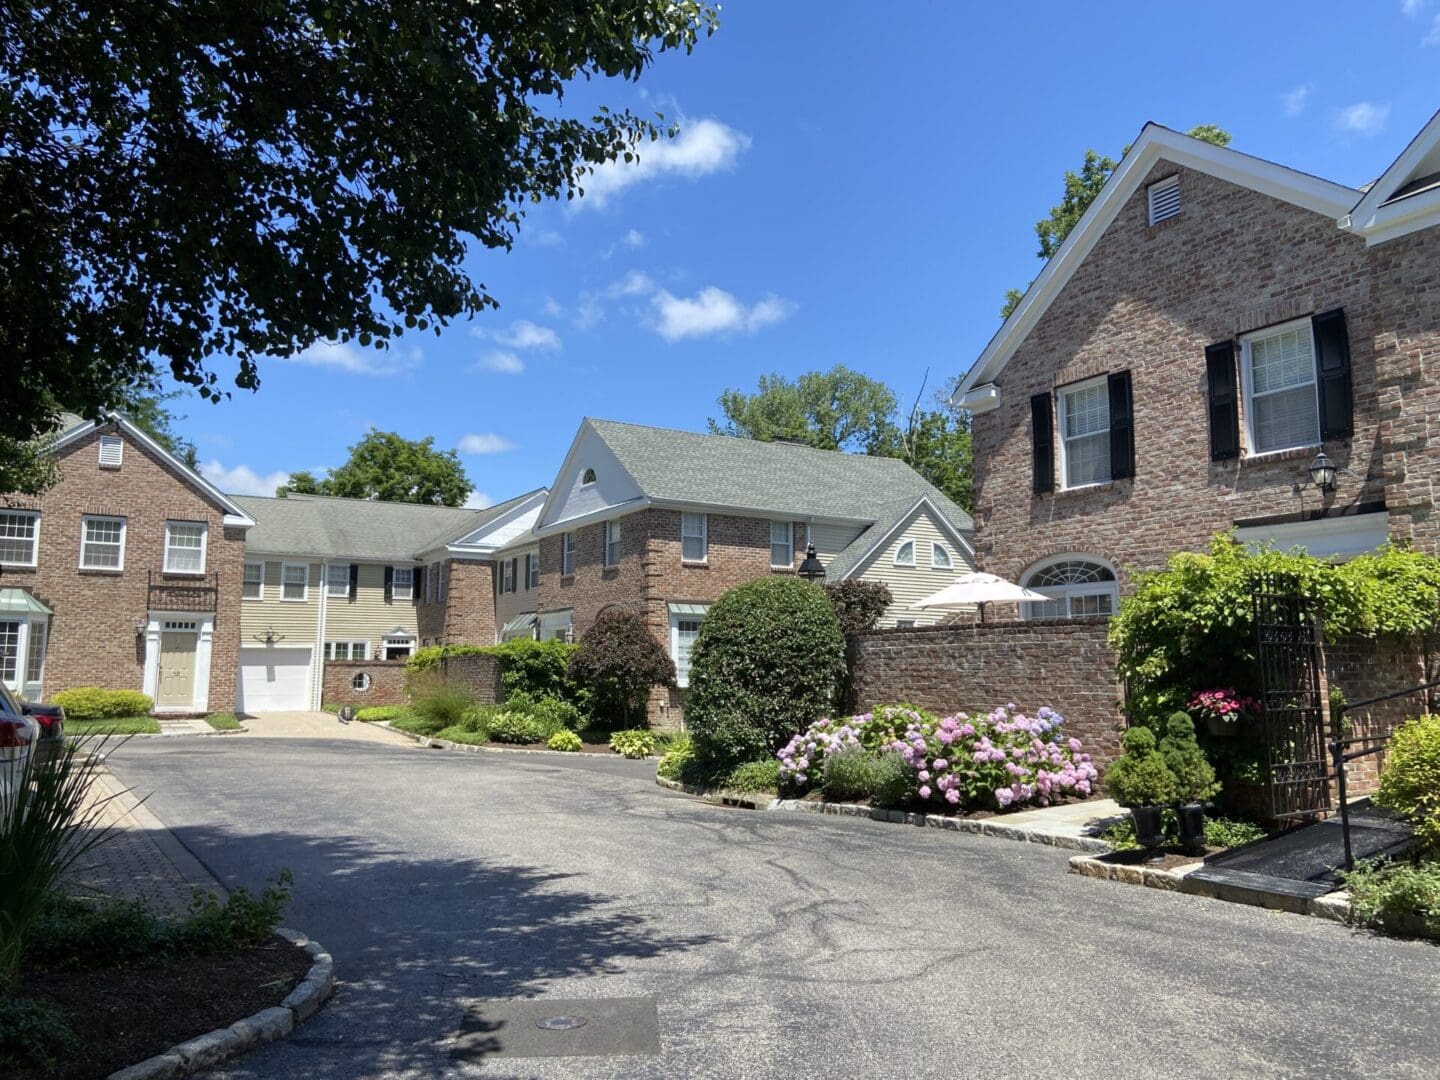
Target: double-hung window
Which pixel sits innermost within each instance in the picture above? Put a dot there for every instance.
(295, 582)
(507, 576)
(1085, 432)
(532, 570)
(1281, 402)
(337, 582)
(18, 532)
(184, 547)
(567, 554)
(612, 543)
(694, 537)
(402, 583)
(782, 544)
(253, 585)
(102, 543)
(347, 650)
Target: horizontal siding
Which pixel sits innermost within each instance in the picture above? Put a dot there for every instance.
(296, 621)
(368, 617)
(508, 605)
(911, 583)
(830, 540)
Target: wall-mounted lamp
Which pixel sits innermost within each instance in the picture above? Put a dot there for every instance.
(1323, 472)
(269, 637)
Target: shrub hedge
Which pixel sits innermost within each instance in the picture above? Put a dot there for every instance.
(1410, 782)
(94, 703)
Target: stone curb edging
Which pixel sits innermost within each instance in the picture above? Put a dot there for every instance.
(975, 826)
(1334, 905)
(432, 743)
(265, 1026)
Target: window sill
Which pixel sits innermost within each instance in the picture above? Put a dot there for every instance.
(1292, 453)
(695, 564)
(1086, 489)
(567, 579)
(183, 573)
(782, 569)
(110, 571)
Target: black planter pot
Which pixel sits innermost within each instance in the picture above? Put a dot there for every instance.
(1191, 817)
(1149, 828)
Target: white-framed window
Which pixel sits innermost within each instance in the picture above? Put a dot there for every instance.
(556, 626)
(360, 681)
(402, 583)
(185, 547)
(19, 533)
(398, 646)
(685, 620)
(1078, 585)
(1164, 199)
(532, 570)
(1282, 405)
(567, 554)
(901, 624)
(10, 652)
(507, 575)
(252, 587)
(1085, 432)
(295, 582)
(337, 580)
(35, 662)
(587, 478)
(102, 543)
(612, 543)
(347, 650)
(782, 544)
(905, 554)
(694, 537)
(940, 558)
(112, 451)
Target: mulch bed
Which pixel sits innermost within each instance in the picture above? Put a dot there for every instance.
(125, 1015)
(1171, 858)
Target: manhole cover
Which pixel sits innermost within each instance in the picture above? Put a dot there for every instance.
(560, 1023)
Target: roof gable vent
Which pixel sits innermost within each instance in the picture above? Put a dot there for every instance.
(112, 450)
(1164, 200)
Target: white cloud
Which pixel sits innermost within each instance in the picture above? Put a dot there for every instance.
(591, 308)
(1411, 7)
(241, 480)
(1294, 101)
(344, 356)
(544, 238)
(1362, 118)
(702, 147)
(1433, 37)
(504, 363)
(714, 311)
(634, 239)
(488, 443)
(521, 334)
(478, 500)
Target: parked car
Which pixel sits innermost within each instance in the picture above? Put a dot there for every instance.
(51, 719)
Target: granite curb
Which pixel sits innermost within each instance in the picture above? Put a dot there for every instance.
(994, 827)
(245, 1034)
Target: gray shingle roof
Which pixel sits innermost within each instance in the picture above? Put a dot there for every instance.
(779, 478)
(358, 528)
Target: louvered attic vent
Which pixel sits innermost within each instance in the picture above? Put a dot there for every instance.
(112, 449)
(1164, 200)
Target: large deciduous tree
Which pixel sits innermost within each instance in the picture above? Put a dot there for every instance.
(388, 468)
(181, 181)
(837, 409)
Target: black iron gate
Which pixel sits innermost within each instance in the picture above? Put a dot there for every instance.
(1292, 710)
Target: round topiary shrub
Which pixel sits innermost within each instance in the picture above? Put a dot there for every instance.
(1410, 781)
(620, 660)
(767, 663)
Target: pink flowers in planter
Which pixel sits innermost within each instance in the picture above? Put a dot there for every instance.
(1222, 704)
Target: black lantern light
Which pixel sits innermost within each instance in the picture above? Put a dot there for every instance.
(810, 569)
(1322, 472)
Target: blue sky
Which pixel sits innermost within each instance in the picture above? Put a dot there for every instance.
(855, 183)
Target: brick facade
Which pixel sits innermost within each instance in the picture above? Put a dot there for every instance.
(387, 683)
(477, 673)
(93, 638)
(1063, 663)
(467, 614)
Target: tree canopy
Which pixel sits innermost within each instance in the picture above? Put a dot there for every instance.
(389, 468)
(1080, 191)
(184, 182)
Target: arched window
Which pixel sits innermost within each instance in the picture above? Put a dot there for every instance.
(940, 557)
(587, 477)
(905, 554)
(1080, 585)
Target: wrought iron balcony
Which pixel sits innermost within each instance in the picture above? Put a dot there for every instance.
(174, 592)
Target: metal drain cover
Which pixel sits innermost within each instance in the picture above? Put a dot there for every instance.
(550, 1027)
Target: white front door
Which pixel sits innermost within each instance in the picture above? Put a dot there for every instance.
(274, 680)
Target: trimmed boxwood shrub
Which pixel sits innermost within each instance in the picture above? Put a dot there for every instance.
(507, 726)
(537, 669)
(620, 660)
(767, 663)
(93, 703)
(1410, 782)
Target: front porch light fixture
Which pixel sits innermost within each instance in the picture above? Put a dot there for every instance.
(811, 569)
(1322, 472)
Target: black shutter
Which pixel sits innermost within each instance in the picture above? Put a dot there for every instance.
(1332, 375)
(1122, 427)
(514, 569)
(417, 584)
(354, 579)
(1224, 401)
(389, 584)
(1042, 436)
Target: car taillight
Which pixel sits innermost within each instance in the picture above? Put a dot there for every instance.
(13, 733)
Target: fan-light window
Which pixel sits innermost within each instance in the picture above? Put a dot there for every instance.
(1164, 200)
(1077, 585)
(905, 554)
(940, 557)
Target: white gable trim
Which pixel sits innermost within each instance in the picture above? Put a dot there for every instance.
(905, 521)
(620, 484)
(233, 514)
(476, 542)
(1376, 221)
(1154, 144)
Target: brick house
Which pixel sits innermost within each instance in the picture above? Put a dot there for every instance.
(1212, 323)
(665, 521)
(124, 574)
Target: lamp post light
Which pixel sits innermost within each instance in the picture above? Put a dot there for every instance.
(810, 569)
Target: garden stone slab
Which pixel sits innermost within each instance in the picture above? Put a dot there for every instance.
(159, 1067)
(206, 1050)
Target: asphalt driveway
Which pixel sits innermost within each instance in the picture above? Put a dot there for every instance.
(771, 945)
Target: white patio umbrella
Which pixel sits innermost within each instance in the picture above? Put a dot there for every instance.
(977, 590)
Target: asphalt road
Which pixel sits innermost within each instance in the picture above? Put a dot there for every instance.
(772, 945)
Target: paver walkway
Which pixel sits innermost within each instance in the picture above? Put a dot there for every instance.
(185, 727)
(319, 725)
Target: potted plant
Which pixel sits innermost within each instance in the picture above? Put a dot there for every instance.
(1140, 781)
(1222, 710)
(1194, 779)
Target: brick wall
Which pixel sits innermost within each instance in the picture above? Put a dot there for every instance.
(387, 683)
(93, 641)
(1064, 664)
(477, 673)
(467, 614)
(1364, 668)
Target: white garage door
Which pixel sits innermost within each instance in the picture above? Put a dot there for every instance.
(274, 680)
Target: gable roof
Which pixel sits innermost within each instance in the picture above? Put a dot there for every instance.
(687, 469)
(1406, 197)
(1154, 143)
(74, 428)
(859, 550)
(323, 526)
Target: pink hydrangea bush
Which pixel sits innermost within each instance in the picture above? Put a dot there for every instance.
(802, 756)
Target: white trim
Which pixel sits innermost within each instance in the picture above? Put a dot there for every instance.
(204, 547)
(981, 399)
(1155, 142)
(328, 648)
(252, 599)
(1330, 537)
(788, 564)
(900, 551)
(24, 679)
(682, 676)
(473, 544)
(703, 537)
(204, 637)
(1109, 588)
(1378, 222)
(313, 684)
(305, 585)
(568, 548)
(344, 593)
(618, 541)
(85, 520)
(34, 516)
(1062, 454)
(394, 586)
(941, 521)
(1247, 390)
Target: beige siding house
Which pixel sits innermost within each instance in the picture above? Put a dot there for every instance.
(920, 557)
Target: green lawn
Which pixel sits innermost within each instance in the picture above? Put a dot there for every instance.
(120, 725)
(223, 721)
